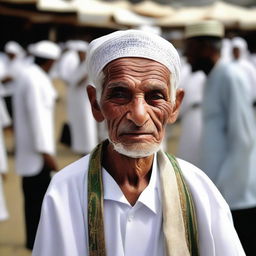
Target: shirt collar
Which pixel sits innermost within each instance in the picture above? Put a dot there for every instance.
(150, 197)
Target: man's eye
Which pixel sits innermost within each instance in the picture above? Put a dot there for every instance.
(156, 95)
(119, 94)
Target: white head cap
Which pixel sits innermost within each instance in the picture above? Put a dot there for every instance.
(241, 44)
(130, 43)
(205, 28)
(14, 48)
(77, 45)
(45, 49)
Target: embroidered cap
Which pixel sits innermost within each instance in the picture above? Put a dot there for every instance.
(130, 43)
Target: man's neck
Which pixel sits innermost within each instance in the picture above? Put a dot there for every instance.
(131, 174)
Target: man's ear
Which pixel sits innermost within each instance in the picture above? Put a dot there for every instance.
(175, 111)
(96, 111)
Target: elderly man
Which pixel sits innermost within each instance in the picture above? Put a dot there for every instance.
(228, 136)
(128, 197)
(34, 100)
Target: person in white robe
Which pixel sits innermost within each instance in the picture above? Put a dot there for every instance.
(5, 121)
(83, 127)
(241, 58)
(228, 143)
(123, 198)
(191, 116)
(34, 101)
(14, 63)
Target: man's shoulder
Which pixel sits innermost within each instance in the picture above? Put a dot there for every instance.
(74, 172)
(200, 185)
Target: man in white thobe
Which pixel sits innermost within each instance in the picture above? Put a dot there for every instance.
(191, 116)
(4, 122)
(241, 58)
(34, 101)
(82, 124)
(123, 198)
(228, 137)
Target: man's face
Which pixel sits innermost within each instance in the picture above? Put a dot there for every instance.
(236, 53)
(136, 104)
(197, 55)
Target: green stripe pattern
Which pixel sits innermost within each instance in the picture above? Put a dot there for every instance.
(188, 209)
(95, 205)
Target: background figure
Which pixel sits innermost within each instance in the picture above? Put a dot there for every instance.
(82, 124)
(226, 49)
(241, 58)
(14, 64)
(191, 116)
(4, 122)
(228, 138)
(34, 100)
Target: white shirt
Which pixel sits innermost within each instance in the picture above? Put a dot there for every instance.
(136, 228)
(34, 100)
(191, 117)
(4, 121)
(63, 227)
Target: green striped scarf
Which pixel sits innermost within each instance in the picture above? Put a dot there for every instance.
(96, 215)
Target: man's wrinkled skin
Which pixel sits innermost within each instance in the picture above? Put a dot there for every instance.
(136, 105)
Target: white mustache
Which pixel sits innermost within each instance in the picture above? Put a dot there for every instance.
(127, 128)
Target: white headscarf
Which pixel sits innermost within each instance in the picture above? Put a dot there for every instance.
(45, 49)
(77, 45)
(14, 48)
(241, 44)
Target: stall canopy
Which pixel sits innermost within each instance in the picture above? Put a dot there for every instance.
(127, 14)
(152, 13)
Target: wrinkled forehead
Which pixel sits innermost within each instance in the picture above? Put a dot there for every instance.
(136, 67)
(128, 62)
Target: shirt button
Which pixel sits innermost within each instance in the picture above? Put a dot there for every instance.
(130, 218)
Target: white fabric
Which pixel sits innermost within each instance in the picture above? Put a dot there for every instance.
(123, 221)
(14, 48)
(34, 100)
(77, 45)
(228, 150)
(45, 49)
(226, 49)
(3, 68)
(244, 63)
(13, 70)
(82, 123)
(253, 59)
(66, 65)
(191, 117)
(4, 121)
(63, 224)
(241, 44)
(130, 43)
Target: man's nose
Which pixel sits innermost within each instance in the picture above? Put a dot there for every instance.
(138, 112)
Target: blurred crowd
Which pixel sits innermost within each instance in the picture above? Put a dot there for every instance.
(27, 101)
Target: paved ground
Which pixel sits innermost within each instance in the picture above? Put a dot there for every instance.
(12, 230)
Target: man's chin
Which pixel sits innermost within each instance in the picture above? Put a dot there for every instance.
(136, 150)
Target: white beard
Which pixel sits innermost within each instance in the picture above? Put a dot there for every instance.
(135, 151)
